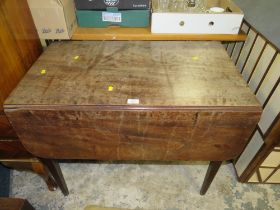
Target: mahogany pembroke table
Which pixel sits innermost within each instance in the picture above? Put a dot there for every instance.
(140, 100)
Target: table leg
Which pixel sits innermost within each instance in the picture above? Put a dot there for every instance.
(211, 173)
(55, 170)
(42, 170)
(32, 165)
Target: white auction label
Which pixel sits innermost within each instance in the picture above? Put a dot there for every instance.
(111, 17)
(133, 101)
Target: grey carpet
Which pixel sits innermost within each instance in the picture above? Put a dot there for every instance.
(169, 186)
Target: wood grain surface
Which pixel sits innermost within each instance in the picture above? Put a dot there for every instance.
(20, 47)
(12, 149)
(156, 73)
(194, 105)
(23, 31)
(19, 43)
(134, 135)
(6, 130)
(118, 33)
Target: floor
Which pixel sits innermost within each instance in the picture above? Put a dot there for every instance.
(145, 185)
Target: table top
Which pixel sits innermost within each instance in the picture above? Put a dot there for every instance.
(193, 103)
(157, 73)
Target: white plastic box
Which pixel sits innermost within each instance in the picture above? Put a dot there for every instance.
(227, 22)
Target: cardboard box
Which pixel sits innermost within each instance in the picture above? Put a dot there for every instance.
(120, 4)
(113, 16)
(201, 22)
(54, 19)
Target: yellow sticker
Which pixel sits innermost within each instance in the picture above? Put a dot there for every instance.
(43, 71)
(76, 57)
(195, 58)
(110, 88)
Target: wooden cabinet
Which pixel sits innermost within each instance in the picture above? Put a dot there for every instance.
(20, 48)
(19, 42)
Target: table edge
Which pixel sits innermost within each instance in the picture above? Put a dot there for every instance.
(11, 108)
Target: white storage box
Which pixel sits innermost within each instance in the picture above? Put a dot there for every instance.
(205, 21)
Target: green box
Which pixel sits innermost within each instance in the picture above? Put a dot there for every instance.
(122, 18)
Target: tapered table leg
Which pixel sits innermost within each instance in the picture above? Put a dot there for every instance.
(55, 170)
(211, 173)
(43, 171)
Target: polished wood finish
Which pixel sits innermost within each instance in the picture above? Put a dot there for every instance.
(19, 42)
(20, 47)
(12, 69)
(117, 33)
(34, 165)
(193, 104)
(55, 170)
(210, 174)
(190, 134)
(22, 29)
(15, 204)
(6, 130)
(13, 149)
(169, 75)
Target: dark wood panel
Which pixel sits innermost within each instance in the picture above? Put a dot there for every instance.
(135, 134)
(211, 173)
(6, 130)
(13, 149)
(15, 204)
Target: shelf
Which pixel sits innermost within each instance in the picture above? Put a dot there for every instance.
(117, 33)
